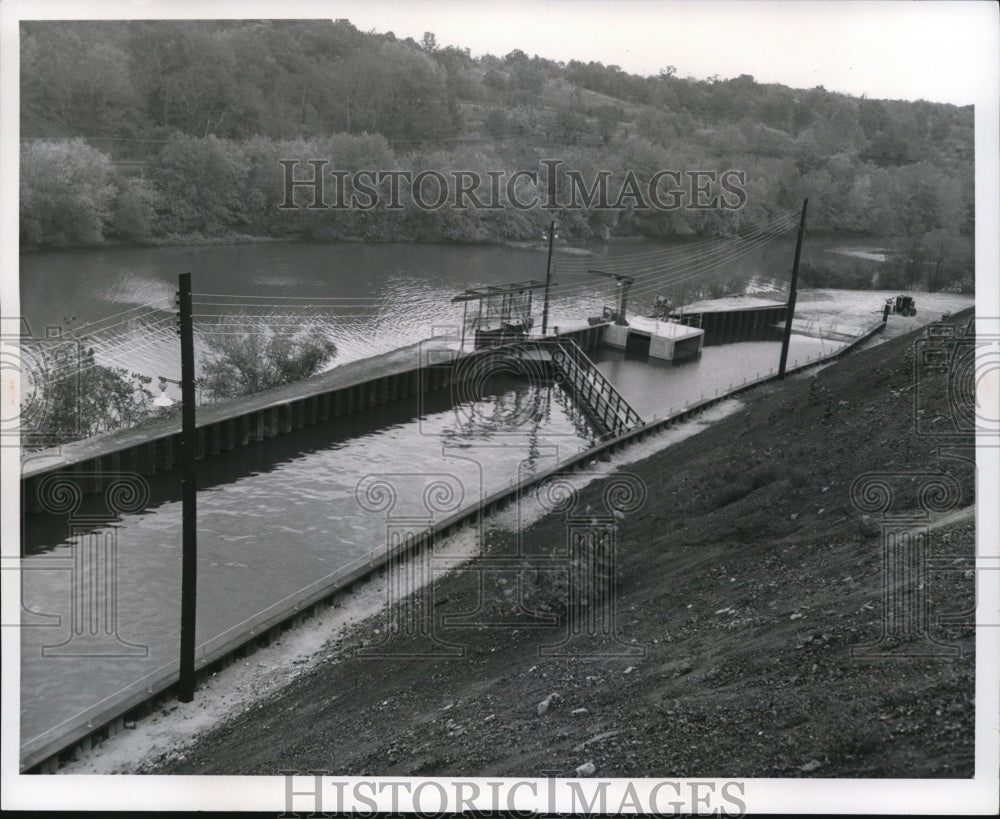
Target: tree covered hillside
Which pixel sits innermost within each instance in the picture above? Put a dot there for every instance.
(160, 131)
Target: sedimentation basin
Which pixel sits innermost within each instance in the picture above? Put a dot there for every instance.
(430, 365)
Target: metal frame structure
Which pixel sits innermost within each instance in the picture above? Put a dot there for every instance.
(503, 313)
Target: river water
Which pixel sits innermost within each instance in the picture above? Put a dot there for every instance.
(367, 298)
(276, 518)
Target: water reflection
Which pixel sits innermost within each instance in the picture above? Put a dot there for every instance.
(369, 298)
(272, 519)
(655, 387)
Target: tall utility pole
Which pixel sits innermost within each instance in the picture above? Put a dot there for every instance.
(548, 280)
(790, 310)
(189, 489)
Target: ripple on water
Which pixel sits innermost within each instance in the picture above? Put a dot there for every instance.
(263, 536)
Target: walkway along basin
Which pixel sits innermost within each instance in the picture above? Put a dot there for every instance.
(154, 446)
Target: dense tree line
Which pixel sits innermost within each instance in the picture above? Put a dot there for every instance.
(159, 131)
(231, 79)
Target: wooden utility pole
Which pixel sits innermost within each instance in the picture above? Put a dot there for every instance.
(548, 280)
(189, 489)
(790, 310)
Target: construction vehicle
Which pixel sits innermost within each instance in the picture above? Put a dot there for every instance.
(904, 305)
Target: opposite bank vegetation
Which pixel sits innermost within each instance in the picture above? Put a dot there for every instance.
(165, 132)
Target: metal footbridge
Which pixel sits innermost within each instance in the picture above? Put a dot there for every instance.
(605, 406)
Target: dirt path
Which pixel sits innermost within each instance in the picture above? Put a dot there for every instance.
(825, 312)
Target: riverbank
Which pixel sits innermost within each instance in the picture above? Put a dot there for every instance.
(198, 240)
(745, 578)
(561, 246)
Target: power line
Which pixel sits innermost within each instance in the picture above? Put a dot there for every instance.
(300, 298)
(113, 338)
(154, 336)
(82, 329)
(660, 276)
(666, 263)
(689, 249)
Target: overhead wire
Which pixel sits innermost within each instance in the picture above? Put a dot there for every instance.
(688, 249)
(83, 330)
(719, 255)
(152, 335)
(124, 340)
(114, 338)
(195, 297)
(653, 270)
(708, 265)
(143, 348)
(242, 314)
(664, 259)
(672, 257)
(121, 345)
(662, 272)
(654, 279)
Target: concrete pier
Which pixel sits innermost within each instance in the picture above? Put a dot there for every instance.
(666, 340)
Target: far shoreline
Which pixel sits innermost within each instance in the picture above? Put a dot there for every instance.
(200, 240)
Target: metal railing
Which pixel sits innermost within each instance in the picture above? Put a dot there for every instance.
(608, 408)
